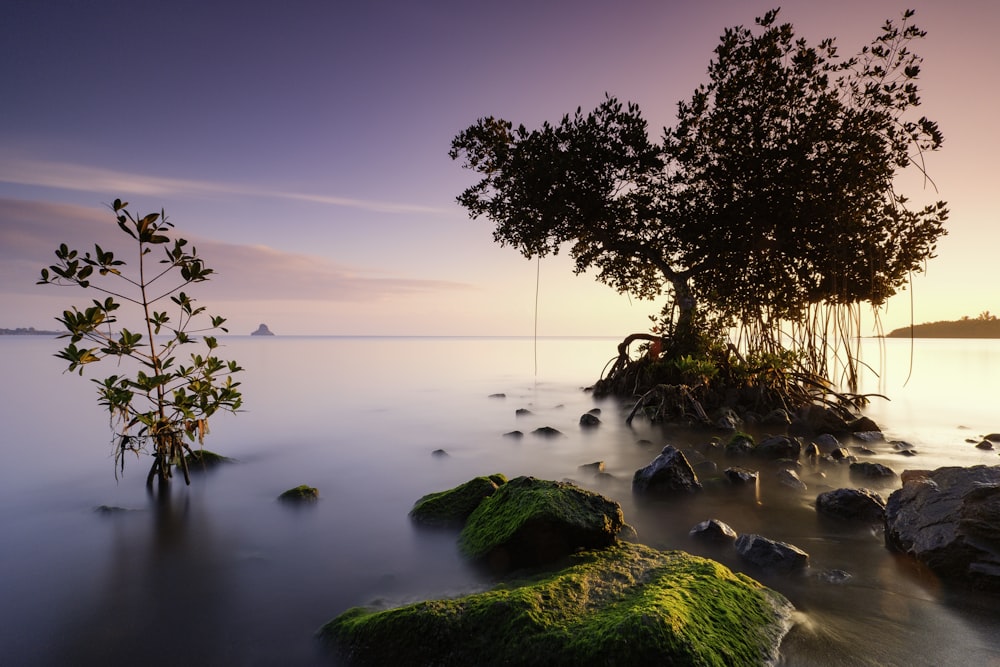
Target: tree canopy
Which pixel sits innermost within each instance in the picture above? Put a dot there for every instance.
(773, 194)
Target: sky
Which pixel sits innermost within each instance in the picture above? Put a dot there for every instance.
(302, 146)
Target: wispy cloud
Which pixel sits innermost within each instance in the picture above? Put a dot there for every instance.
(30, 231)
(88, 178)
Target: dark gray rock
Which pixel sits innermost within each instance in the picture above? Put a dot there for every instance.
(868, 436)
(949, 520)
(595, 467)
(713, 530)
(777, 417)
(727, 420)
(513, 434)
(790, 479)
(863, 425)
(852, 504)
(985, 444)
(497, 396)
(588, 420)
(440, 453)
(827, 442)
(740, 444)
(770, 554)
(870, 470)
(547, 432)
(522, 412)
(740, 476)
(668, 473)
(778, 447)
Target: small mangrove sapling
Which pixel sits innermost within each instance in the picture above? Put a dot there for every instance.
(157, 403)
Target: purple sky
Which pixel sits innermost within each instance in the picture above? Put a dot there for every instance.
(303, 146)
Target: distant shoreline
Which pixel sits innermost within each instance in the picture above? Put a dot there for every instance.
(28, 331)
(967, 328)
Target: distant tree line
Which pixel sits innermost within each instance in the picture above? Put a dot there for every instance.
(27, 331)
(986, 325)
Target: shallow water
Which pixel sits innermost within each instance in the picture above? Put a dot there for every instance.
(220, 573)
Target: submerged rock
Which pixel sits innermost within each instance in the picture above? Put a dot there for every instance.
(852, 504)
(453, 507)
(624, 605)
(301, 493)
(589, 420)
(770, 554)
(547, 432)
(870, 470)
(949, 520)
(530, 521)
(668, 473)
(200, 459)
(714, 530)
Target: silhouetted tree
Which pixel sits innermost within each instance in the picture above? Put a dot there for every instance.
(773, 193)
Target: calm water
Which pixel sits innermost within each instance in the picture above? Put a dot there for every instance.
(219, 573)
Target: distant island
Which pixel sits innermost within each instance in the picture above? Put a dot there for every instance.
(984, 326)
(28, 331)
(262, 330)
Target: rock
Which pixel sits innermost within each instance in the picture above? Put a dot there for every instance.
(868, 436)
(791, 479)
(547, 432)
(827, 442)
(817, 419)
(595, 467)
(810, 451)
(863, 425)
(949, 520)
(985, 444)
(453, 507)
(840, 454)
(740, 444)
(770, 554)
(588, 420)
(870, 470)
(499, 395)
(713, 530)
(625, 605)
(530, 521)
(668, 473)
(777, 417)
(740, 476)
(300, 494)
(513, 434)
(778, 447)
(833, 576)
(202, 459)
(992, 437)
(594, 411)
(522, 412)
(262, 330)
(439, 453)
(864, 451)
(852, 504)
(727, 419)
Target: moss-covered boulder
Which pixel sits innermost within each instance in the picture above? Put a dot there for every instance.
(300, 494)
(453, 507)
(203, 459)
(624, 605)
(531, 521)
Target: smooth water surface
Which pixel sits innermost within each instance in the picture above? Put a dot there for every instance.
(220, 573)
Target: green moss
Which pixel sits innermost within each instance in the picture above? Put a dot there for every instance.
(627, 604)
(300, 493)
(530, 509)
(453, 507)
(202, 458)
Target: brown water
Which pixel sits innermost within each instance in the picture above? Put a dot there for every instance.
(220, 573)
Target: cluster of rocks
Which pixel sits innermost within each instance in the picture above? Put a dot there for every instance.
(586, 597)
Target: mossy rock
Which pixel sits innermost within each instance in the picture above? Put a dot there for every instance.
(530, 521)
(301, 493)
(204, 459)
(453, 507)
(624, 605)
